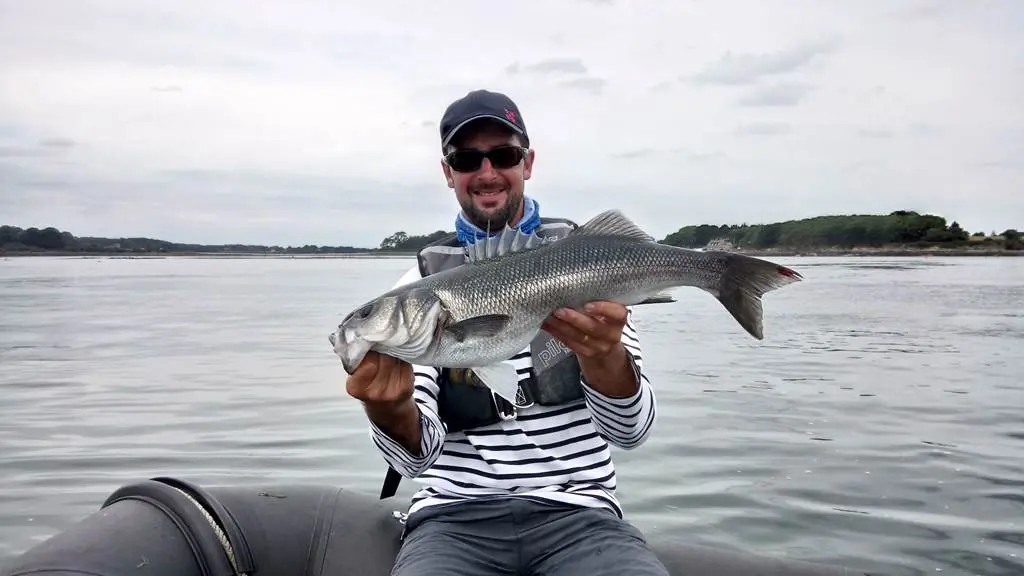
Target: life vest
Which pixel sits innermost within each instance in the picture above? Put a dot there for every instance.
(463, 401)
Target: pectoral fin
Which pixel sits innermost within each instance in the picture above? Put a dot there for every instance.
(487, 326)
(659, 298)
(500, 377)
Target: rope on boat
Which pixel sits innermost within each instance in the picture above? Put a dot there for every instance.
(221, 536)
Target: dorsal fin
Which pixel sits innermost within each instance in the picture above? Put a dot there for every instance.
(510, 240)
(612, 223)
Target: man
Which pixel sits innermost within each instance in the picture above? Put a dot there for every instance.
(512, 489)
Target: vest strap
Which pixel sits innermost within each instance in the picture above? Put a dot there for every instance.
(391, 480)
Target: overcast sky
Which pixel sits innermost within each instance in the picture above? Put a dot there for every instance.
(317, 121)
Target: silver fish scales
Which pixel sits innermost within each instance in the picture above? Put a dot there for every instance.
(480, 314)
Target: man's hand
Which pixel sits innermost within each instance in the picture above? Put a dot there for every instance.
(596, 336)
(380, 380)
(385, 385)
(594, 333)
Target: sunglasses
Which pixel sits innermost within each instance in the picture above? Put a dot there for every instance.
(470, 160)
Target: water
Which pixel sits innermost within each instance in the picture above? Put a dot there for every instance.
(879, 425)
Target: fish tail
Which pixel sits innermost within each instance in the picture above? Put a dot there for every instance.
(743, 283)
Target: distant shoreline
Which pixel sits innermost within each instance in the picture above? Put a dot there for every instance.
(766, 253)
(902, 233)
(223, 255)
(885, 252)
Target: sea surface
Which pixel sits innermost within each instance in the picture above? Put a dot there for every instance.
(879, 425)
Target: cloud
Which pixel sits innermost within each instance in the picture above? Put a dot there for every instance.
(43, 148)
(20, 151)
(587, 84)
(663, 86)
(746, 68)
(764, 129)
(877, 133)
(675, 155)
(317, 122)
(550, 65)
(636, 153)
(922, 10)
(782, 94)
(563, 67)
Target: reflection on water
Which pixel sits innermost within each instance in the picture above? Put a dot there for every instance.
(877, 425)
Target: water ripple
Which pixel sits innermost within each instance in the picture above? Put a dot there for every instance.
(876, 426)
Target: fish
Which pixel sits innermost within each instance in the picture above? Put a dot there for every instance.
(481, 313)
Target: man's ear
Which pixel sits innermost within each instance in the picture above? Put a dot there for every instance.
(528, 164)
(447, 173)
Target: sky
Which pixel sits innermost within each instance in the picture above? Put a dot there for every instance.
(316, 121)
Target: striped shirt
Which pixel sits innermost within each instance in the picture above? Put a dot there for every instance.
(547, 453)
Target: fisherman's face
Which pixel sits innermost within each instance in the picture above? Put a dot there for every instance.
(490, 194)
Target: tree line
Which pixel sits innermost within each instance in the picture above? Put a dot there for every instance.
(402, 242)
(902, 227)
(50, 239)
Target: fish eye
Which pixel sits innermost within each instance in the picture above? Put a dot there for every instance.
(360, 314)
(364, 312)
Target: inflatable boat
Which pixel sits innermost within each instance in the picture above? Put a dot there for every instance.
(171, 527)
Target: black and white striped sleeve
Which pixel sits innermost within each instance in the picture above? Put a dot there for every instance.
(625, 422)
(432, 429)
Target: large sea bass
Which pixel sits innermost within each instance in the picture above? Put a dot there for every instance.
(481, 313)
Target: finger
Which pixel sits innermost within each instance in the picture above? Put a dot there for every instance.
(613, 311)
(587, 324)
(385, 363)
(400, 372)
(367, 368)
(390, 371)
(579, 339)
(362, 377)
(578, 320)
(574, 339)
(579, 347)
(564, 331)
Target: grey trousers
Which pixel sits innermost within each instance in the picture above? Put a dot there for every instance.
(513, 536)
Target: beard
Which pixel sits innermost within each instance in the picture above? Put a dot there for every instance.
(493, 219)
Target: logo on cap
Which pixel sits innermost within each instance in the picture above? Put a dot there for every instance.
(511, 116)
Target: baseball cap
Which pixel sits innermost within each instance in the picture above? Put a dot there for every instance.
(481, 104)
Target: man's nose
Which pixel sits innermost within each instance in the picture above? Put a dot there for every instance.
(486, 170)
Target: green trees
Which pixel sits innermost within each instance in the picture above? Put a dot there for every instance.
(14, 239)
(43, 239)
(402, 242)
(900, 227)
(1013, 240)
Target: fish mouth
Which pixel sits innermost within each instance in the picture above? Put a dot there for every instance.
(351, 351)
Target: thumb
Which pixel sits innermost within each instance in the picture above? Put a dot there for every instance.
(366, 371)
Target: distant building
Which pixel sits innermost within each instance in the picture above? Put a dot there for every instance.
(721, 244)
